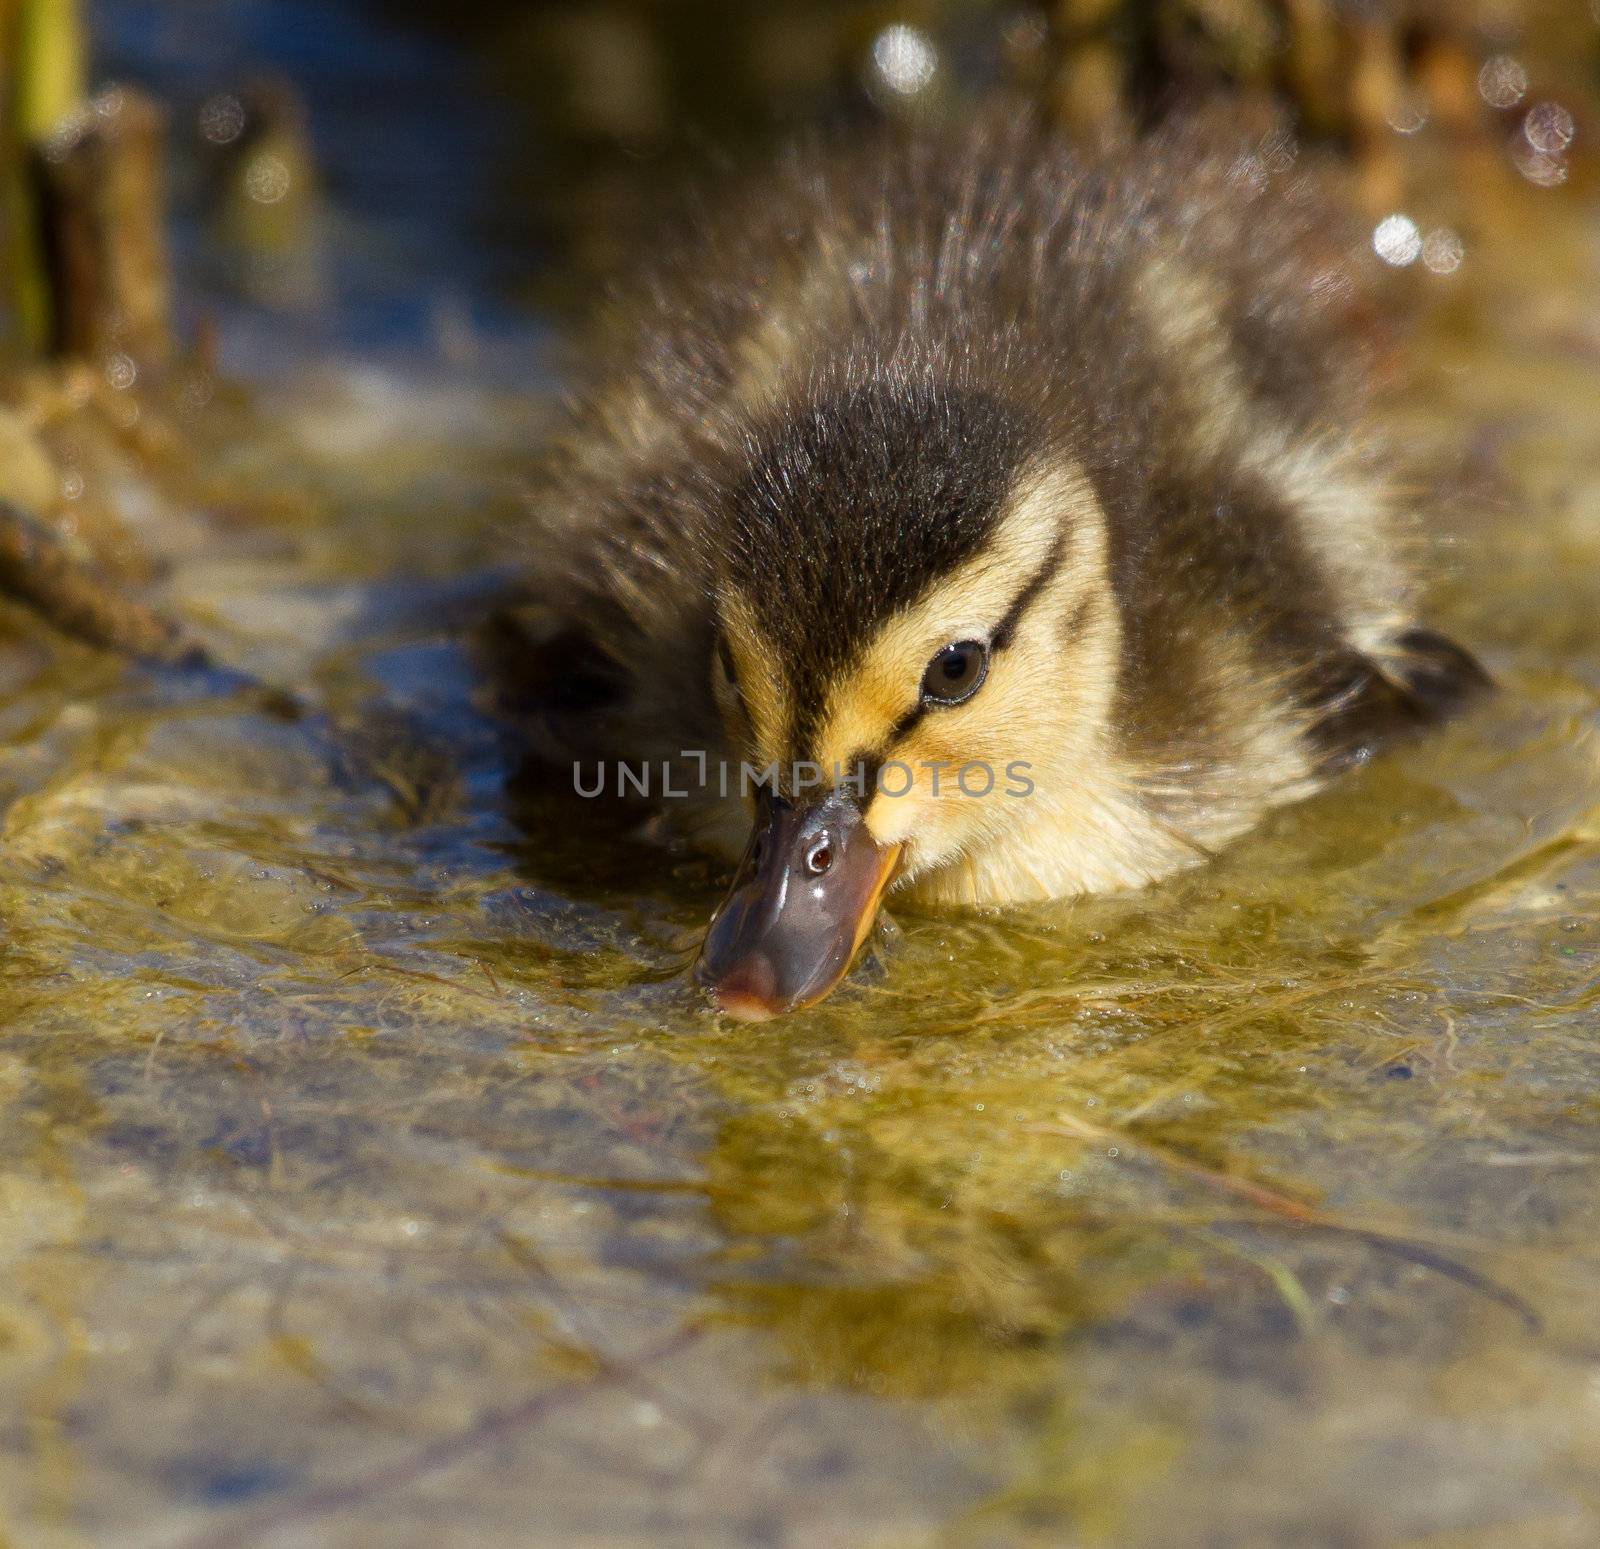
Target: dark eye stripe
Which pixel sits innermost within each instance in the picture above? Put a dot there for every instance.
(1026, 598)
(1004, 633)
(906, 724)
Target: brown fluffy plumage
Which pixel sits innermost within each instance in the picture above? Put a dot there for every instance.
(850, 385)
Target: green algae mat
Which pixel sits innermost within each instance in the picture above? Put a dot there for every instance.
(369, 1175)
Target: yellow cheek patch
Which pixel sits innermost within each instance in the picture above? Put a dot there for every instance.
(957, 772)
(933, 792)
(766, 714)
(1046, 509)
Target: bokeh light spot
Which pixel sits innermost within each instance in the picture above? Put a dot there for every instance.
(904, 59)
(222, 118)
(1502, 82)
(1396, 240)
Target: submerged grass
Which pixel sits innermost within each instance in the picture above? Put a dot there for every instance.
(364, 1155)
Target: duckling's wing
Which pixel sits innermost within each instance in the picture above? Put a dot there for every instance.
(1439, 675)
(1421, 679)
(542, 665)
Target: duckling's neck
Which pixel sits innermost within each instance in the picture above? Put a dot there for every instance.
(1121, 821)
(1113, 844)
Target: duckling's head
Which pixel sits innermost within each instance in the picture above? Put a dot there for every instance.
(916, 644)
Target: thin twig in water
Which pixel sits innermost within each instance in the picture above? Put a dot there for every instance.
(498, 1426)
(417, 973)
(1284, 1280)
(1286, 1207)
(150, 1054)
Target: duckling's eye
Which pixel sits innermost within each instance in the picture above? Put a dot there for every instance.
(956, 673)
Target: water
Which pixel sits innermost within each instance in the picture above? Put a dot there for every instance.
(414, 226)
(370, 1176)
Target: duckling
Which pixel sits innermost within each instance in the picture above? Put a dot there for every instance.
(1015, 517)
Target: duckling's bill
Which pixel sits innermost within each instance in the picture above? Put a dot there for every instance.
(805, 897)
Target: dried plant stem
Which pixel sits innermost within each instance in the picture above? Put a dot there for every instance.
(42, 71)
(101, 205)
(49, 50)
(37, 570)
